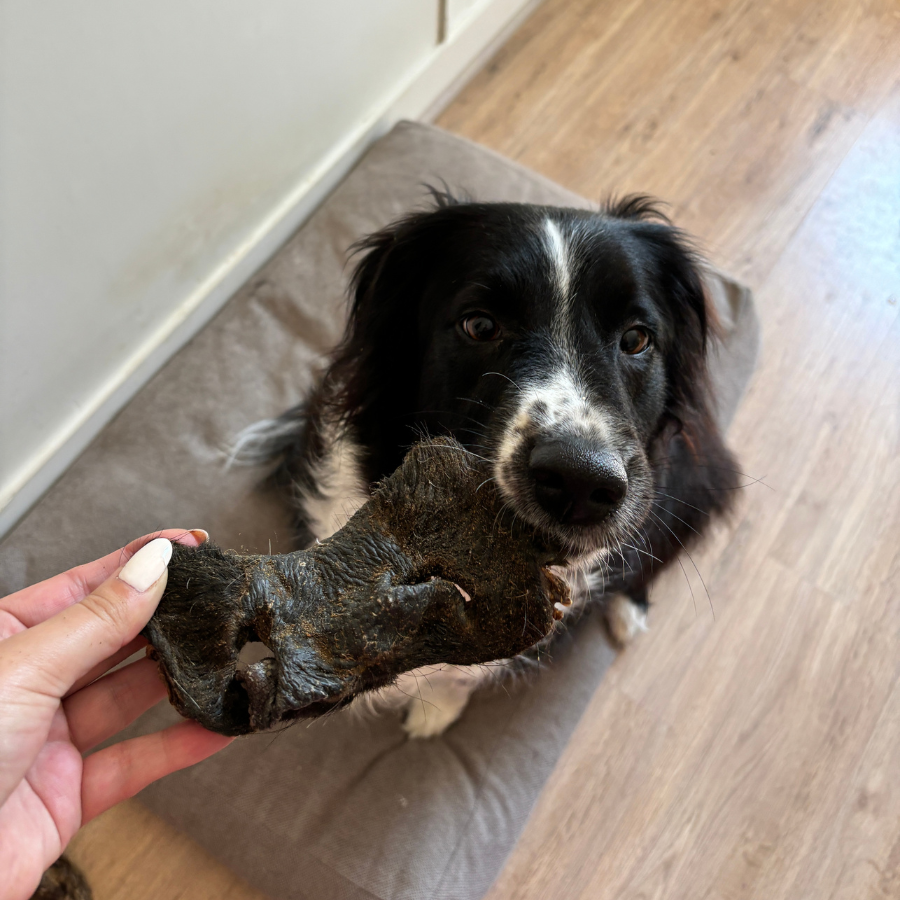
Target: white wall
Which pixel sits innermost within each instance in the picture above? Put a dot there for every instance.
(151, 156)
(458, 13)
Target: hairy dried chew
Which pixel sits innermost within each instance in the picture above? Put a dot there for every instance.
(428, 571)
(63, 881)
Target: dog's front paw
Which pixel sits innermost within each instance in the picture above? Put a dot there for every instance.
(424, 721)
(437, 700)
(625, 619)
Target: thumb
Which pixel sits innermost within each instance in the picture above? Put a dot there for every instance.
(39, 665)
(50, 657)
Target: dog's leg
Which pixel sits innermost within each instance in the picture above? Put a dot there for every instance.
(626, 616)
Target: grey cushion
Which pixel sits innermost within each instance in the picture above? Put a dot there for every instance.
(344, 807)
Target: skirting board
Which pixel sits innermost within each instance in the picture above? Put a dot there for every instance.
(421, 96)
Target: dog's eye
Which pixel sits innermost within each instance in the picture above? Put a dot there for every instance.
(480, 327)
(634, 341)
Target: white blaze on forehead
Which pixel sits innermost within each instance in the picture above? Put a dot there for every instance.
(558, 251)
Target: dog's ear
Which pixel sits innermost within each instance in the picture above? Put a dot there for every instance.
(372, 375)
(680, 291)
(689, 443)
(636, 208)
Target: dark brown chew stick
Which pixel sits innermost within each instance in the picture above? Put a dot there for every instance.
(63, 881)
(429, 571)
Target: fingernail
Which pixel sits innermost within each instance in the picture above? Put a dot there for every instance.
(201, 535)
(147, 565)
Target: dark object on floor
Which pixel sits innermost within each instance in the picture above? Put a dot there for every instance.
(63, 881)
(428, 571)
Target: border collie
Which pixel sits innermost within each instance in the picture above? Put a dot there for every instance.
(568, 348)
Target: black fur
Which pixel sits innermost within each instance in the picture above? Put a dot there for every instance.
(404, 368)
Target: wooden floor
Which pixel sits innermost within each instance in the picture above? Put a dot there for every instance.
(754, 753)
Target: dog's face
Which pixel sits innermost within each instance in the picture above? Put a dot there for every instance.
(557, 343)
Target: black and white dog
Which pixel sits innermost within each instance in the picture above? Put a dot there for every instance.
(568, 348)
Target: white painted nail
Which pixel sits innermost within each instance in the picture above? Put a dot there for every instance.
(145, 568)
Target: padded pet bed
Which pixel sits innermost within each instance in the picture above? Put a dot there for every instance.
(343, 807)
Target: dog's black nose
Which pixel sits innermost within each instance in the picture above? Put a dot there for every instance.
(576, 482)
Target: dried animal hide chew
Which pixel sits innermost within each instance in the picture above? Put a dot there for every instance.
(63, 881)
(428, 571)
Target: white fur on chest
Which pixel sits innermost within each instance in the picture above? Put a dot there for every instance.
(341, 489)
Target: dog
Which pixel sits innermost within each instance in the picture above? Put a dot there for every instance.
(566, 347)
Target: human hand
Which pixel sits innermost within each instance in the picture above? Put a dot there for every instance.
(58, 638)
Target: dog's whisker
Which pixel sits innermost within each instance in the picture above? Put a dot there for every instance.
(458, 449)
(638, 550)
(691, 558)
(440, 412)
(678, 500)
(477, 433)
(688, 580)
(645, 540)
(670, 513)
(751, 478)
(501, 375)
(475, 400)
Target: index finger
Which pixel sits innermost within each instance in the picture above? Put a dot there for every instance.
(39, 602)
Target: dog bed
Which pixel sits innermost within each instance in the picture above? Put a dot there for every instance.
(343, 808)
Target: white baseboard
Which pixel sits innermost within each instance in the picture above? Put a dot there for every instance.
(423, 94)
(467, 51)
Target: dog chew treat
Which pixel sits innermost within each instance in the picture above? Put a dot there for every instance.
(428, 571)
